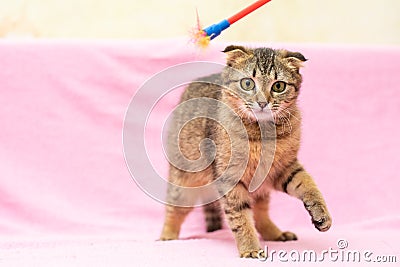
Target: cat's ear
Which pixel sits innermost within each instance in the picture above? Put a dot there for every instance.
(294, 60)
(235, 54)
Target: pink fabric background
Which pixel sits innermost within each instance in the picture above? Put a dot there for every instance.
(67, 198)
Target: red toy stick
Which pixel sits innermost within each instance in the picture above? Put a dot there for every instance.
(247, 10)
(202, 37)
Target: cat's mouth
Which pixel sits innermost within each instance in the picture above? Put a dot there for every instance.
(253, 113)
(261, 111)
(262, 114)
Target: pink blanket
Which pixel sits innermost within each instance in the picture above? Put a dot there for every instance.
(67, 197)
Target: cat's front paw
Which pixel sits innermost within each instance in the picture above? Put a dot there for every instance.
(323, 223)
(166, 238)
(255, 254)
(168, 234)
(319, 216)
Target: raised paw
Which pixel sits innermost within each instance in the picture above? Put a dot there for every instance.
(255, 254)
(323, 223)
(319, 216)
(286, 236)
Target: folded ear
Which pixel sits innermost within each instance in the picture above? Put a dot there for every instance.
(294, 60)
(236, 54)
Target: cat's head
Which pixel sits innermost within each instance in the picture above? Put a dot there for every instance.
(265, 79)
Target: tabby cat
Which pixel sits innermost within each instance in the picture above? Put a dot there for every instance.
(272, 82)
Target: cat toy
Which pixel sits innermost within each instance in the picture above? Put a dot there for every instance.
(202, 37)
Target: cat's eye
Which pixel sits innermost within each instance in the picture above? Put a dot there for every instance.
(279, 87)
(247, 84)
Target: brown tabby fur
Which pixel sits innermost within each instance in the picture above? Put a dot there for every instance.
(247, 213)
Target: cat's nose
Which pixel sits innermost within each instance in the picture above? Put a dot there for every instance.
(262, 104)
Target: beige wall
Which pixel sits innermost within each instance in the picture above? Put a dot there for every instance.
(335, 21)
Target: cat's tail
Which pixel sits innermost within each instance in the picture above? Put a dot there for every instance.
(213, 216)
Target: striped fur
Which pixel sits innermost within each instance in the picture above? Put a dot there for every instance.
(247, 213)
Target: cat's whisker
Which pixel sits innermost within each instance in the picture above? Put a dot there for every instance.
(286, 120)
(290, 114)
(283, 123)
(290, 124)
(288, 109)
(242, 113)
